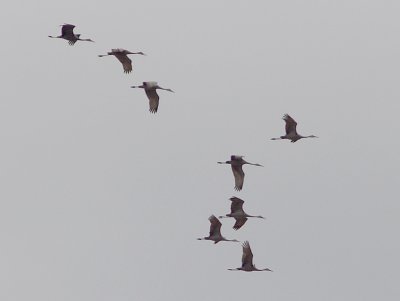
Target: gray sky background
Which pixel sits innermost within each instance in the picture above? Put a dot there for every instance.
(102, 200)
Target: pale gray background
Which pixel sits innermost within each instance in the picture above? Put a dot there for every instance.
(101, 200)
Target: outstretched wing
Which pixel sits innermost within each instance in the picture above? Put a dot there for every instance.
(215, 227)
(247, 257)
(239, 222)
(125, 61)
(67, 30)
(237, 204)
(153, 100)
(291, 124)
(239, 176)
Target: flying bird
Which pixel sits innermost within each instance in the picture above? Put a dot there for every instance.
(247, 260)
(122, 56)
(215, 231)
(238, 213)
(236, 163)
(291, 133)
(67, 33)
(150, 89)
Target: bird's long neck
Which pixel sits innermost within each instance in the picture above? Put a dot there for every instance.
(256, 216)
(226, 162)
(255, 164)
(233, 240)
(169, 90)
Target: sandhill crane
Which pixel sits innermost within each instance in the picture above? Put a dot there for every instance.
(67, 33)
(247, 260)
(150, 89)
(236, 163)
(122, 56)
(238, 213)
(291, 133)
(215, 231)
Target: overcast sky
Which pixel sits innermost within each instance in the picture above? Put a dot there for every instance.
(101, 200)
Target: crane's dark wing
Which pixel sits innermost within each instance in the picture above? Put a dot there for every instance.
(239, 222)
(239, 176)
(153, 100)
(215, 227)
(67, 30)
(247, 257)
(291, 124)
(237, 204)
(125, 61)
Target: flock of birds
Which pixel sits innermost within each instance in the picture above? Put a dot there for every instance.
(237, 211)
(236, 162)
(67, 33)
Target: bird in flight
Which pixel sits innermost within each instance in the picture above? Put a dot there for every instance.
(122, 56)
(238, 213)
(291, 132)
(236, 163)
(247, 260)
(150, 89)
(67, 33)
(215, 231)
